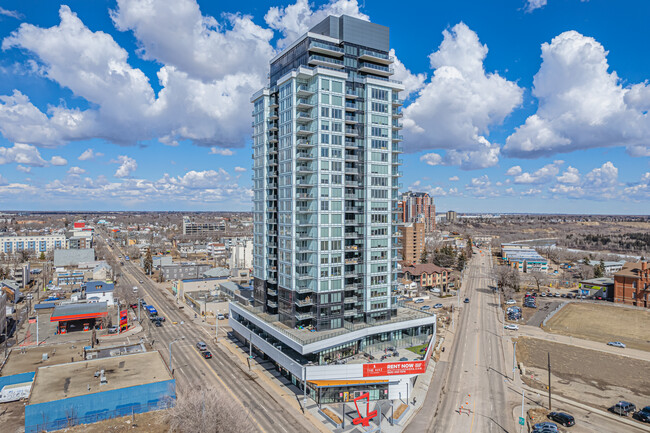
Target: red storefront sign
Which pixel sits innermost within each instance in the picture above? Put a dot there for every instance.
(123, 319)
(394, 368)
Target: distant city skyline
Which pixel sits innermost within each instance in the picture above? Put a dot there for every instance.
(103, 107)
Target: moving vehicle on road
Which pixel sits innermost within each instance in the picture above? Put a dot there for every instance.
(157, 323)
(466, 300)
(512, 327)
(220, 316)
(623, 408)
(201, 346)
(643, 415)
(545, 427)
(206, 354)
(562, 418)
(418, 301)
(616, 344)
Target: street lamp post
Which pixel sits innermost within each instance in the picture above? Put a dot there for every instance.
(170, 351)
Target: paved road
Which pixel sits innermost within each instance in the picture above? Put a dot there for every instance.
(479, 377)
(474, 397)
(221, 373)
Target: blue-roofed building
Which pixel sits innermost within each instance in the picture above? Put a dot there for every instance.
(523, 259)
(99, 291)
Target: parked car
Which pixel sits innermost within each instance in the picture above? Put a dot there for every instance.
(616, 344)
(220, 316)
(512, 327)
(418, 301)
(466, 300)
(157, 323)
(437, 306)
(511, 302)
(543, 295)
(201, 346)
(425, 307)
(643, 415)
(206, 354)
(557, 295)
(562, 418)
(545, 427)
(134, 306)
(623, 408)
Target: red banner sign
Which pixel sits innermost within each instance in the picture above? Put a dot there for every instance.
(123, 318)
(394, 368)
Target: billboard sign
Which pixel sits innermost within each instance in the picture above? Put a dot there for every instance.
(394, 368)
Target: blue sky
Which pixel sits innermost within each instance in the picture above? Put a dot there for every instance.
(512, 106)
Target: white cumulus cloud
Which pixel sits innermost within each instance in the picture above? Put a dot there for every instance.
(21, 153)
(76, 170)
(240, 169)
(570, 176)
(581, 104)
(543, 175)
(457, 106)
(89, 154)
(127, 166)
(58, 161)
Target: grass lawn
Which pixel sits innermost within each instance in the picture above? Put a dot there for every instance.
(418, 350)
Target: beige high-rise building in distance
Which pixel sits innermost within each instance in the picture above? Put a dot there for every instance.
(412, 242)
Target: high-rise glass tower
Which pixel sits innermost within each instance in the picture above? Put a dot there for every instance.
(326, 148)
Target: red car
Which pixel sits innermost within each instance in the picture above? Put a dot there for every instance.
(134, 306)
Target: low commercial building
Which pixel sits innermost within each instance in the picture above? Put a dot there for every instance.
(335, 366)
(613, 267)
(63, 277)
(603, 287)
(94, 390)
(183, 271)
(78, 317)
(523, 258)
(37, 244)
(63, 258)
(632, 284)
(428, 275)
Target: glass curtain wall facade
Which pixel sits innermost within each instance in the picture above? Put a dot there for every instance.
(326, 149)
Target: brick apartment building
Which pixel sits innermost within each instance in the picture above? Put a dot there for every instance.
(632, 284)
(428, 275)
(418, 207)
(412, 242)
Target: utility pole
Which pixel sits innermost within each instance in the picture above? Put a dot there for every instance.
(514, 359)
(549, 381)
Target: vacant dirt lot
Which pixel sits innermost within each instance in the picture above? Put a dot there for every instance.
(596, 378)
(603, 323)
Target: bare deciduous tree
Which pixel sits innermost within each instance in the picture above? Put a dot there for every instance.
(207, 411)
(539, 278)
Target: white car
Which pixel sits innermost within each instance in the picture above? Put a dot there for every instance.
(512, 327)
(511, 302)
